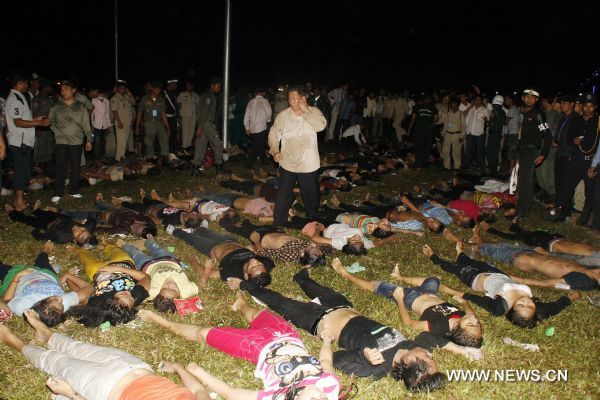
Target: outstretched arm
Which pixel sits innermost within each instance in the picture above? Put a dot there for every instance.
(219, 386)
(326, 354)
(547, 283)
(410, 204)
(76, 284)
(189, 381)
(470, 353)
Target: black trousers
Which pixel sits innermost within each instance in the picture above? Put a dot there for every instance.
(67, 158)
(309, 190)
(258, 148)
(99, 143)
(304, 315)
(38, 219)
(22, 158)
(530, 238)
(423, 143)
(576, 170)
(527, 156)
(465, 268)
(174, 140)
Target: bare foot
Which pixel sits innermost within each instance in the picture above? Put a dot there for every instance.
(450, 236)
(484, 226)
(339, 267)
(476, 239)
(427, 250)
(396, 271)
(142, 193)
(120, 243)
(335, 201)
(42, 332)
(99, 197)
(37, 204)
(48, 247)
(171, 198)
(204, 271)
(150, 317)
(105, 242)
(239, 302)
(460, 248)
(154, 195)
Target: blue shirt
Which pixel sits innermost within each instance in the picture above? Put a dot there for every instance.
(439, 213)
(411, 225)
(35, 287)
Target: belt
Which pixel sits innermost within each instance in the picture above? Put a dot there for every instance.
(452, 133)
(313, 329)
(171, 115)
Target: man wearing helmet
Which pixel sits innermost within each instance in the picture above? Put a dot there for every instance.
(495, 125)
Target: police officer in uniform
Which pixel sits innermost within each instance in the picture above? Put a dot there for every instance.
(188, 101)
(206, 131)
(172, 112)
(44, 139)
(152, 110)
(120, 105)
(534, 144)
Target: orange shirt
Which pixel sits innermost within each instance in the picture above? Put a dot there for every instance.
(152, 387)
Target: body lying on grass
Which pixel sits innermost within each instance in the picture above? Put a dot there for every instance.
(553, 244)
(438, 317)
(503, 295)
(39, 288)
(282, 362)
(558, 270)
(235, 261)
(83, 371)
(161, 213)
(118, 287)
(371, 348)
(168, 281)
(275, 243)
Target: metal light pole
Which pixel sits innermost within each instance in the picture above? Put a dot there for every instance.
(226, 76)
(116, 40)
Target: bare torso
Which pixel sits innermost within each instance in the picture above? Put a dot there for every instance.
(552, 267)
(276, 240)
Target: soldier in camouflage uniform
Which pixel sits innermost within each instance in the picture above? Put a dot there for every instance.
(152, 110)
(44, 139)
(207, 131)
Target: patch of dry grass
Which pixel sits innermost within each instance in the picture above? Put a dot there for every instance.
(574, 347)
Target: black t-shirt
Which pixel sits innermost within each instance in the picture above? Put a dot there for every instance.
(354, 362)
(170, 215)
(232, 265)
(438, 318)
(106, 285)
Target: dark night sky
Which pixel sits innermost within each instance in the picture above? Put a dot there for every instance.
(395, 44)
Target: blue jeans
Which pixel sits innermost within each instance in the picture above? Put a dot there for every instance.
(226, 199)
(430, 285)
(140, 258)
(474, 151)
(503, 252)
(203, 239)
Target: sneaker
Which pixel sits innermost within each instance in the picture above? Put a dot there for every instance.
(55, 199)
(76, 196)
(169, 229)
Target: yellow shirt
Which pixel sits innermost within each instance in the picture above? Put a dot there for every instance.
(162, 270)
(297, 135)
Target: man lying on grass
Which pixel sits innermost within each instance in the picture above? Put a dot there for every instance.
(371, 348)
(438, 317)
(503, 295)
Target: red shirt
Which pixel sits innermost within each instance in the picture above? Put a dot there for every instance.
(467, 206)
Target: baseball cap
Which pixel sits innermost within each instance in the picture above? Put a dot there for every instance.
(589, 98)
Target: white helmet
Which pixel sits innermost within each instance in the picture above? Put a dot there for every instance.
(498, 100)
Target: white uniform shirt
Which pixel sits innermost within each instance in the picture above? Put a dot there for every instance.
(476, 121)
(257, 115)
(339, 234)
(17, 107)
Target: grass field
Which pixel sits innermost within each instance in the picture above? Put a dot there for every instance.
(575, 346)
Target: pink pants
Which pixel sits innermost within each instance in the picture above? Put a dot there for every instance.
(248, 343)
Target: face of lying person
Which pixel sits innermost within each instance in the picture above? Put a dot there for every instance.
(311, 392)
(253, 267)
(384, 225)
(170, 290)
(355, 241)
(525, 307)
(55, 303)
(80, 234)
(125, 299)
(471, 324)
(419, 353)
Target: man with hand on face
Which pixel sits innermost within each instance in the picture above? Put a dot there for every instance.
(21, 136)
(534, 144)
(293, 144)
(70, 122)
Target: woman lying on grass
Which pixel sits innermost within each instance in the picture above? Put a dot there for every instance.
(438, 317)
(167, 279)
(118, 287)
(83, 371)
(287, 370)
(503, 295)
(39, 288)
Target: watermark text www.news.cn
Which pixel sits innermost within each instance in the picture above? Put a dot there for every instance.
(507, 375)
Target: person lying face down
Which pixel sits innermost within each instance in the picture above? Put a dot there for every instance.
(371, 349)
(39, 288)
(503, 295)
(168, 281)
(439, 317)
(118, 287)
(235, 261)
(162, 213)
(58, 228)
(273, 242)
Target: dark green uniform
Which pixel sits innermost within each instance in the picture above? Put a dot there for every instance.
(44, 139)
(534, 141)
(153, 110)
(207, 112)
(494, 138)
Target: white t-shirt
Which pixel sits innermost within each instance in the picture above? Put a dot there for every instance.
(354, 130)
(476, 121)
(212, 209)
(37, 286)
(339, 234)
(17, 107)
